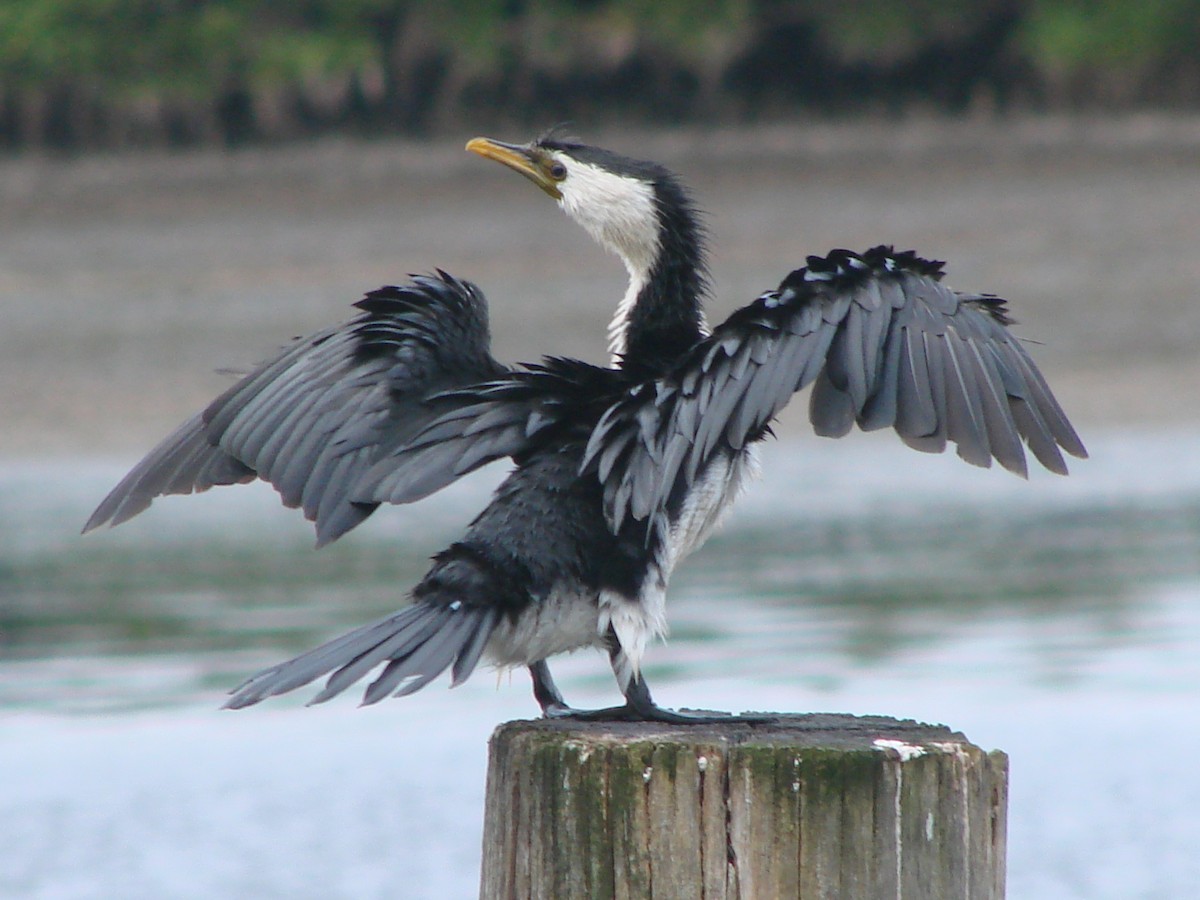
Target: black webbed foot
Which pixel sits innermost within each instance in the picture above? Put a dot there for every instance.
(653, 713)
(639, 706)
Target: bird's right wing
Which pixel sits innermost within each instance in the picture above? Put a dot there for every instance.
(313, 420)
(884, 344)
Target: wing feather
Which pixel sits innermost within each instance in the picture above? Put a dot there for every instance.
(880, 409)
(963, 419)
(883, 343)
(185, 462)
(915, 412)
(926, 354)
(316, 419)
(830, 410)
(1003, 436)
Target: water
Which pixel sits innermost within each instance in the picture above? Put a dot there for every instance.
(1056, 619)
(843, 556)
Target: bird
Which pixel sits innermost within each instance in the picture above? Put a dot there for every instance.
(618, 471)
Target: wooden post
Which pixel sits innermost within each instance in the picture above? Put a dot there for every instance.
(811, 806)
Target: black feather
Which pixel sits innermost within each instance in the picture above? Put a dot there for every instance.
(882, 341)
(317, 417)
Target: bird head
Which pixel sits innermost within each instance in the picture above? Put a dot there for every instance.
(617, 200)
(637, 210)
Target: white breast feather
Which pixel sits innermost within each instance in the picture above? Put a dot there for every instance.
(638, 620)
(556, 624)
(708, 500)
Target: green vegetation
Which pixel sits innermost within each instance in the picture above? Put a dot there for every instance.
(80, 73)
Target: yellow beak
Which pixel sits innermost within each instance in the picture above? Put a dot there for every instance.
(519, 158)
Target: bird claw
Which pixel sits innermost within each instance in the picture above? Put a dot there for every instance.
(652, 713)
(639, 706)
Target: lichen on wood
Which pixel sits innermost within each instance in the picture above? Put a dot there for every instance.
(821, 806)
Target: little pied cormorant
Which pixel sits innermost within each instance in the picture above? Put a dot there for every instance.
(619, 471)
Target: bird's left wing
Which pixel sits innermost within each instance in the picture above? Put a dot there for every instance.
(884, 344)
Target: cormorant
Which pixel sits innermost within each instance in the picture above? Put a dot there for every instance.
(619, 471)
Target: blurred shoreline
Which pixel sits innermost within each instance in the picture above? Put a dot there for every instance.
(127, 280)
(36, 182)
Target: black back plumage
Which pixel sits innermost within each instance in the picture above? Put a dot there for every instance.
(538, 405)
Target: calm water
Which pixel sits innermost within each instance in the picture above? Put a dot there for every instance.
(1057, 619)
(840, 558)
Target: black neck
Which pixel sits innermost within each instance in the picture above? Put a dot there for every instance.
(666, 320)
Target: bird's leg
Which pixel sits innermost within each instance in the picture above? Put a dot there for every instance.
(639, 705)
(546, 692)
(550, 699)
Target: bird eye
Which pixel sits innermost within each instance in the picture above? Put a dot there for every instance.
(557, 171)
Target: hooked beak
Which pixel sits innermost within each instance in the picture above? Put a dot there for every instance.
(519, 158)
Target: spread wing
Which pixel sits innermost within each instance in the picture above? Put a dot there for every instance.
(884, 344)
(313, 420)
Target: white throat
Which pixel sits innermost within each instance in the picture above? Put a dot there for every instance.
(619, 213)
(618, 328)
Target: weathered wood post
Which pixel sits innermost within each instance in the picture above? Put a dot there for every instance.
(811, 806)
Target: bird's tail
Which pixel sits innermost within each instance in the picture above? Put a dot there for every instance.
(418, 644)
